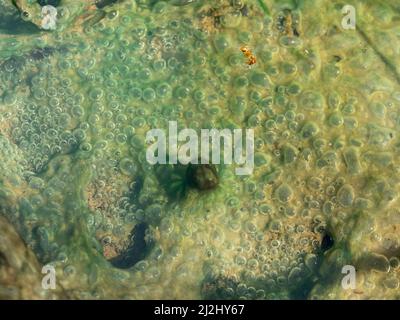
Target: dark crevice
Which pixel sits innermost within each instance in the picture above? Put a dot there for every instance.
(137, 249)
(15, 25)
(42, 53)
(327, 242)
(308, 280)
(303, 290)
(135, 189)
(41, 244)
(54, 3)
(244, 11)
(3, 260)
(100, 4)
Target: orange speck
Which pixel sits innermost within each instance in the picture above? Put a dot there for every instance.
(252, 60)
(249, 55)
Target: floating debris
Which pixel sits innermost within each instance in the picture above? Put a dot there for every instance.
(251, 59)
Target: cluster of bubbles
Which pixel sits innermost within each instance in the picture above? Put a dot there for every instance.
(80, 110)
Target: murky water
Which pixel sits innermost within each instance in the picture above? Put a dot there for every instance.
(317, 84)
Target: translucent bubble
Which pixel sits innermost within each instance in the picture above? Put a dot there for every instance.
(309, 130)
(391, 283)
(135, 92)
(199, 95)
(149, 94)
(110, 125)
(69, 270)
(182, 92)
(250, 227)
(394, 263)
(145, 74)
(255, 95)
(114, 106)
(159, 65)
(284, 193)
(137, 142)
(260, 79)
(39, 93)
(121, 138)
(77, 111)
(10, 98)
(345, 195)
(252, 264)
(36, 183)
(86, 147)
(335, 119)
(240, 260)
(79, 134)
(289, 68)
(140, 29)
(93, 119)
(121, 118)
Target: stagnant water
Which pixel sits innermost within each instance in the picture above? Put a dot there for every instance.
(104, 180)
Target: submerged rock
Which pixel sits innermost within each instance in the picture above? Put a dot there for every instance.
(49, 18)
(203, 176)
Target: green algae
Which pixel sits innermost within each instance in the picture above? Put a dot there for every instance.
(76, 104)
(264, 7)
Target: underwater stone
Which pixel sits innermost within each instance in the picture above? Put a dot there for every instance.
(49, 17)
(203, 176)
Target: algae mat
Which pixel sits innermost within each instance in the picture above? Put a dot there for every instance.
(319, 89)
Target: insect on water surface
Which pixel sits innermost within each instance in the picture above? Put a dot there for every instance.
(251, 59)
